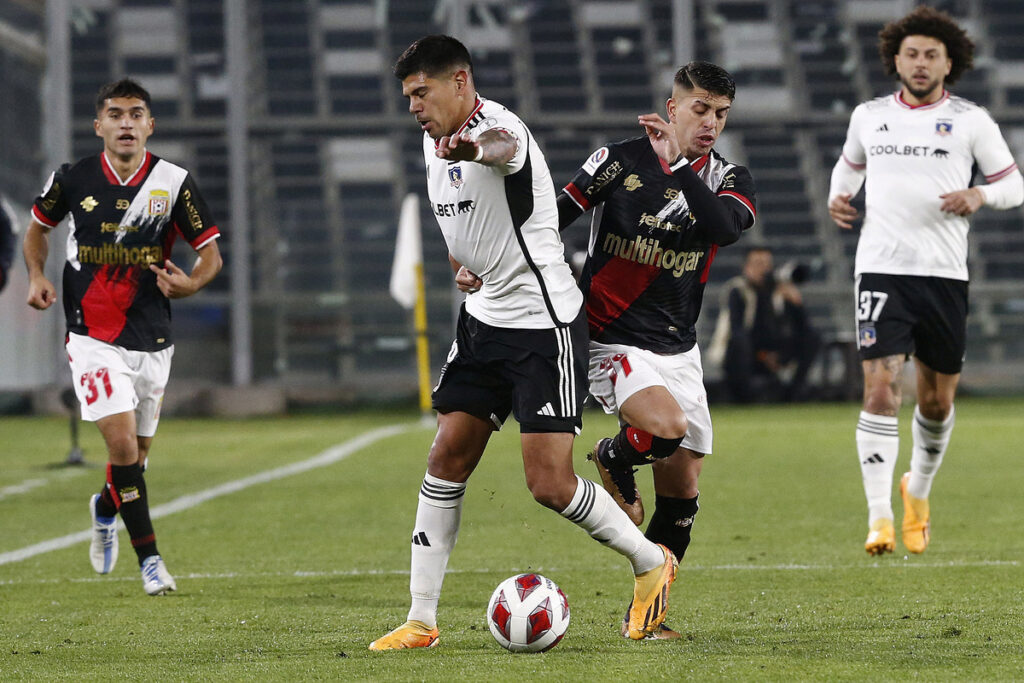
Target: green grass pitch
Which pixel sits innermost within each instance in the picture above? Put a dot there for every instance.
(292, 577)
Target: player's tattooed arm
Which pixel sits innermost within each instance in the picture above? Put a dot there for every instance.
(494, 147)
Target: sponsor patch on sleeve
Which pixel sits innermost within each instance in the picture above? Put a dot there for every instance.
(595, 161)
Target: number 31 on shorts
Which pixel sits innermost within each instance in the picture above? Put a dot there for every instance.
(870, 306)
(92, 381)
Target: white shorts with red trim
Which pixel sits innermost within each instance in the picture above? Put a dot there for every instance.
(618, 371)
(110, 379)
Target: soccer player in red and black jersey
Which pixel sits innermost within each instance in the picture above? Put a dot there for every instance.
(667, 201)
(125, 208)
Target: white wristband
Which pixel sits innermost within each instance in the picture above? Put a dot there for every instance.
(479, 152)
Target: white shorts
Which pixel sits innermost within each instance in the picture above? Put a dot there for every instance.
(109, 379)
(618, 371)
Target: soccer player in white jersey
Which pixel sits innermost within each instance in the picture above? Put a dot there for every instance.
(917, 148)
(521, 342)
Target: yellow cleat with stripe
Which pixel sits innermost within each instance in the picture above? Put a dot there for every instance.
(409, 635)
(917, 523)
(881, 538)
(650, 597)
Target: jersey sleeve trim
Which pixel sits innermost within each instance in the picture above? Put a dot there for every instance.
(205, 237)
(741, 199)
(577, 197)
(854, 165)
(39, 217)
(1001, 174)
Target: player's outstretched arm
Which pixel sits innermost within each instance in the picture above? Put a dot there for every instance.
(177, 284)
(41, 292)
(493, 148)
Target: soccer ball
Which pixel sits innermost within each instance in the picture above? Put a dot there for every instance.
(528, 613)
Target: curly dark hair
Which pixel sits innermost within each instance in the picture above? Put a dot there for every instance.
(927, 21)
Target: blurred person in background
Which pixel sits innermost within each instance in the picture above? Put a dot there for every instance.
(125, 207)
(918, 149)
(763, 336)
(7, 240)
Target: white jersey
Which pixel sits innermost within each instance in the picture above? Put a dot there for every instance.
(912, 155)
(501, 222)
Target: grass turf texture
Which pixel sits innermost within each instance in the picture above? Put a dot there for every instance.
(291, 579)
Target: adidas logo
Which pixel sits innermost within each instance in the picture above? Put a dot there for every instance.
(547, 410)
(874, 458)
(420, 539)
(884, 128)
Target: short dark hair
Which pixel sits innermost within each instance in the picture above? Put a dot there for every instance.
(711, 77)
(927, 21)
(125, 87)
(433, 55)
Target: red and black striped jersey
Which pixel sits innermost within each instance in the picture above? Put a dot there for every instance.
(116, 229)
(654, 233)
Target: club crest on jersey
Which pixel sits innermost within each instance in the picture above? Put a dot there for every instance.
(943, 127)
(868, 337)
(455, 176)
(159, 202)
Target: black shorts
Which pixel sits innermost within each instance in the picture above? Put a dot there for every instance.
(909, 314)
(539, 375)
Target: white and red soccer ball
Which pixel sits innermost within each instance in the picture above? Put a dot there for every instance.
(528, 613)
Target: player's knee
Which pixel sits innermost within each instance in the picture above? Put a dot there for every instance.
(551, 492)
(935, 407)
(122, 448)
(881, 399)
(670, 426)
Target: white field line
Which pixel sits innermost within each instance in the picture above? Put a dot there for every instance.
(29, 484)
(328, 457)
(514, 570)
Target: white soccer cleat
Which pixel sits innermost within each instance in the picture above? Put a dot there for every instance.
(103, 545)
(156, 580)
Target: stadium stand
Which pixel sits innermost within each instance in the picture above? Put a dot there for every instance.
(332, 151)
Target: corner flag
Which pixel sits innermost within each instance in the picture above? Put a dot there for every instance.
(408, 289)
(408, 253)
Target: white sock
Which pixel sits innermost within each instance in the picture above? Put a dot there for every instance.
(437, 526)
(878, 444)
(594, 510)
(930, 440)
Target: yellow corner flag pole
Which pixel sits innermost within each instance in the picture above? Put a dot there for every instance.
(422, 355)
(408, 288)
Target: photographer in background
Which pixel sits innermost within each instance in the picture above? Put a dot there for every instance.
(763, 337)
(7, 240)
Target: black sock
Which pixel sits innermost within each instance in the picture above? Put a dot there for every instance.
(672, 522)
(105, 506)
(631, 447)
(128, 488)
